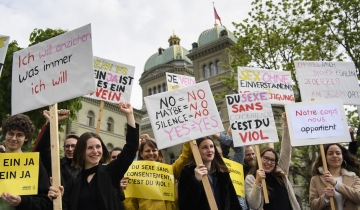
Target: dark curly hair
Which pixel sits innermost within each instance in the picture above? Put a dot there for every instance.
(351, 162)
(18, 122)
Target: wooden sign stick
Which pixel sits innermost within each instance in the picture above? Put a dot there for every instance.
(322, 151)
(55, 157)
(205, 179)
(100, 116)
(263, 182)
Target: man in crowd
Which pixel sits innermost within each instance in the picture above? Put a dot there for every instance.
(42, 145)
(249, 159)
(114, 153)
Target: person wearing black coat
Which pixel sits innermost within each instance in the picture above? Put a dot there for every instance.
(42, 145)
(97, 186)
(191, 191)
(17, 130)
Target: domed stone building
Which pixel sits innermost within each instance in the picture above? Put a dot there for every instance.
(205, 61)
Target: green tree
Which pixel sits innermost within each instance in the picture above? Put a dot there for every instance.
(38, 35)
(273, 37)
(341, 19)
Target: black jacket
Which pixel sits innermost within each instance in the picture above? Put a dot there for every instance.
(192, 194)
(39, 201)
(108, 177)
(42, 146)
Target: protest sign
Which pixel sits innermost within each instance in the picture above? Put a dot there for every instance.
(52, 71)
(19, 173)
(114, 80)
(237, 176)
(251, 118)
(175, 81)
(317, 122)
(277, 83)
(321, 80)
(183, 114)
(4, 43)
(150, 180)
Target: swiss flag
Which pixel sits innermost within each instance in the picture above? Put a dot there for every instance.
(217, 16)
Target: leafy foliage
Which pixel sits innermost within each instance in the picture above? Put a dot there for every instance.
(276, 34)
(38, 35)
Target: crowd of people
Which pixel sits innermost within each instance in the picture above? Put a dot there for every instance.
(93, 177)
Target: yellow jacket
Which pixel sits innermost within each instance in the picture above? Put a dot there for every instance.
(145, 204)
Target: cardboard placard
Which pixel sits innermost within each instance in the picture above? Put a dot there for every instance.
(52, 71)
(322, 80)
(317, 122)
(183, 114)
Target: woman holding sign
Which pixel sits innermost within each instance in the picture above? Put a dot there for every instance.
(148, 151)
(97, 185)
(343, 175)
(191, 190)
(17, 130)
(281, 193)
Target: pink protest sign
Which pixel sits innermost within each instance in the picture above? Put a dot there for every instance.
(183, 114)
(322, 80)
(52, 71)
(175, 81)
(114, 80)
(251, 118)
(277, 83)
(317, 122)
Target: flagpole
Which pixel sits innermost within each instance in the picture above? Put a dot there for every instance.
(214, 13)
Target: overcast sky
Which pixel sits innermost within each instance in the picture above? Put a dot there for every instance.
(126, 31)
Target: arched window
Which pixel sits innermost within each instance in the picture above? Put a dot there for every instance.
(212, 70)
(110, 125)
(109, 146)
(154, 90)
(164, 87)
(90, 119)
(205, 71)
(218, 67)
(150, 92)
(159, 88)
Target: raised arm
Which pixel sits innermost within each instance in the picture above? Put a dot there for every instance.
(285, 153)
(118, 167)
(182, 160)
(42, 144)
(353, 146)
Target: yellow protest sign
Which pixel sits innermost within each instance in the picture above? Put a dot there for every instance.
(236, 175)
(150, 180)
(19, 173)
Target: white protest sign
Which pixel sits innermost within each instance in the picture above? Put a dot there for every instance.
(321, 80)
(175, 81)
(277, 83)
(317, 122)
(52, 71)
(114, 80)
(183, 114)
(251, 118)
(4, 43)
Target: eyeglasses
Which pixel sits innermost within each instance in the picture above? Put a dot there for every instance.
(70, 145)
(113, 157)
(267, 159)
(10, 135)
